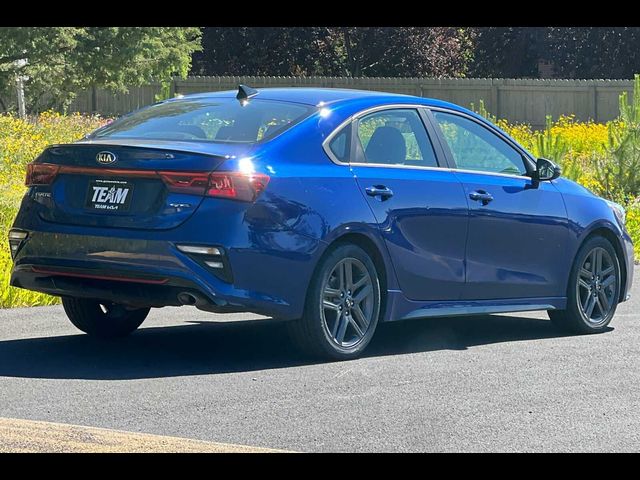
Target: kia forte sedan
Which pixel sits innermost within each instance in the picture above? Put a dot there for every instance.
(333, 209)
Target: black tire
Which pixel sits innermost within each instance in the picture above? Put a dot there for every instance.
(575, 319)
(103, 319)
(312, 333)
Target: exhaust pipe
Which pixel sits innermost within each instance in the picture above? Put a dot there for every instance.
(201, 302)
(186, 298)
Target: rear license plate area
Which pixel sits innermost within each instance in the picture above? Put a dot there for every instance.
(109, 195)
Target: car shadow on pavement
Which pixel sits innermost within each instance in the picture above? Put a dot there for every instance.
(204, 347)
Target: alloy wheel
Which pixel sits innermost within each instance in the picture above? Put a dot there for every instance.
(348, 302)
(597, 286)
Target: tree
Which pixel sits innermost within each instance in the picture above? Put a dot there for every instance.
(594, 52)
(260, 51)
(574, 52)
(508, 52)
(401, 51)
(352, 51)
(62, 61)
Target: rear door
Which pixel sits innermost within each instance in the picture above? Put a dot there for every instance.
(420, 207)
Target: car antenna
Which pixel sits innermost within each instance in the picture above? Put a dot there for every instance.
(245, 93)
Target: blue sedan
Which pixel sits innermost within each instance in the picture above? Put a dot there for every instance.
(333, 209)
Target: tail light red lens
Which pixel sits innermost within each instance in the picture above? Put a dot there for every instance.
(232, 185)
(41, 174)
(239, 186)
(185, 182)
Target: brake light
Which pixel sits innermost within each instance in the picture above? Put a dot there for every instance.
(41, 174)
(239, 186)
(232, 185)
(185, 182)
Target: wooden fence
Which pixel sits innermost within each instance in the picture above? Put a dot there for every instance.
(520, 100)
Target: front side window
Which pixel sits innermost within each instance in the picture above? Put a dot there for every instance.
(394, 137)
(208, 119)
(474, 147)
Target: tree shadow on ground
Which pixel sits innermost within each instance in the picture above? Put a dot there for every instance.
(204, 347)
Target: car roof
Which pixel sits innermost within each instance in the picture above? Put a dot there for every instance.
(314, 96)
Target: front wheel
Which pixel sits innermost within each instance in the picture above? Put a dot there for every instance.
(103, 319)
(342, 306)
(594, 289)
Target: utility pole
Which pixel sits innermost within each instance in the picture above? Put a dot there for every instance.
(22, 111)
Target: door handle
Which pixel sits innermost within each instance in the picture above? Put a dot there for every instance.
(379, 191)
(481, 196)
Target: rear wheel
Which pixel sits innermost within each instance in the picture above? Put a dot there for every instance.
(103, 319)
(342, 307)
(594, 289)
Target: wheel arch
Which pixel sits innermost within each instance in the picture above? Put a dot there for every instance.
(375, 248)
(606, 231)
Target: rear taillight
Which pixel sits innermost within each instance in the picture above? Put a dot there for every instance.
(232, 185)
(239, 186)
(184, 182)
(41, 174)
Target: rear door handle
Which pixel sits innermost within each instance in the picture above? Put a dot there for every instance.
(481, 196)
(379, 191)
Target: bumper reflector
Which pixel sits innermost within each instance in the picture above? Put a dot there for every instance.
(16, 237)
(199, 250)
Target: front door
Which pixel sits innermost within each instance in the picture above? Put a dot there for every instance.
(518, 230)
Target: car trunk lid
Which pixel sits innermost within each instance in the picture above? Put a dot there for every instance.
(129, 184)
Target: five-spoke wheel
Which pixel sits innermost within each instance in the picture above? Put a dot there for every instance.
(594, 289)
(348, 302)
(597, 285)
(342, 307)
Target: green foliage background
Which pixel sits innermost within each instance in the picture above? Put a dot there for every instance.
(65, 60)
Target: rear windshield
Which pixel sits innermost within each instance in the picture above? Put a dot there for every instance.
(213, 119)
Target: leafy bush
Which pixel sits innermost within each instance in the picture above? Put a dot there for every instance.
(633, 225)
(21, 142)
(617, 169)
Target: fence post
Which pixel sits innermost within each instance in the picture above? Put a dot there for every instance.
(94, 99)
(22, 111)
(594, 103)
(18, 64)
(494, 100)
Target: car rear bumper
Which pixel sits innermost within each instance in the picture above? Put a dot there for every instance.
(143, 272)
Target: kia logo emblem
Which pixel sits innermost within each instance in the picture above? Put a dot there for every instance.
(106, 158)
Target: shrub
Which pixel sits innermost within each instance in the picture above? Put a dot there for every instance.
(617, 169)
(21, 142)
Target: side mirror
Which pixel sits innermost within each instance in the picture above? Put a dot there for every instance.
(547, 170)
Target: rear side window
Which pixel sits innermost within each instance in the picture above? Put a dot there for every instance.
(213, 119)
(395, 137)
(339, 145)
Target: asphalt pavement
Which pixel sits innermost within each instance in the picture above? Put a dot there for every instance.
(482, 383)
